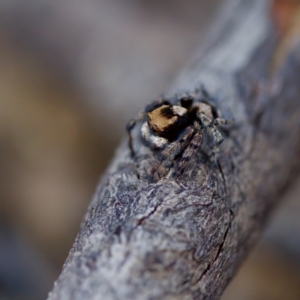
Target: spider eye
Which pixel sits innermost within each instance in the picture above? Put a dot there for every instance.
(215, 112)
(186, 102)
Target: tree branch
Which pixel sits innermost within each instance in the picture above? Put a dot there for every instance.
(184, 237)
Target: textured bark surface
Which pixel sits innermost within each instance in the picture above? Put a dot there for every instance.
(184, 237)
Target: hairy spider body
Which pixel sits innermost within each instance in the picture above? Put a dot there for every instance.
(177, 131)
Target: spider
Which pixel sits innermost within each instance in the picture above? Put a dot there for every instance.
(178, 130)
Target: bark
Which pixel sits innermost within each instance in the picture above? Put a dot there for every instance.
(184, 237)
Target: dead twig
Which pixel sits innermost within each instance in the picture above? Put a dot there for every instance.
(184, 236)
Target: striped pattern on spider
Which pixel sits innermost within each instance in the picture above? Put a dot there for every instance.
(176, 131)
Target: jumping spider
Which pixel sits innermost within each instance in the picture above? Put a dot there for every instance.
(177, 130)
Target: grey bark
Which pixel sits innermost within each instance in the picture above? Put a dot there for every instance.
(185, 237)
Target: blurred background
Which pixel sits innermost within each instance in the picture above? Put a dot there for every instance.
(71, 74)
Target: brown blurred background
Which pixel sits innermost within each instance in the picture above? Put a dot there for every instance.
(71, 74)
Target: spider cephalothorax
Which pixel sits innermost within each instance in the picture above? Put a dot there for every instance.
(167, 120)
(177, 130)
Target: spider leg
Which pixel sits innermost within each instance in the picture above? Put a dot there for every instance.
(209, 127)
(218, 141)
(167, 156)
(221, 122)
(130, 125)
(189, 152)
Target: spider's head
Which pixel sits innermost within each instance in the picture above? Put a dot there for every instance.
(168, 120)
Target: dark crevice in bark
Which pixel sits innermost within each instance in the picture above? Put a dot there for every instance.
(220, 248)
(146, 217)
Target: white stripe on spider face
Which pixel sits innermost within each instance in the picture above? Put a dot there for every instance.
(153, 140)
